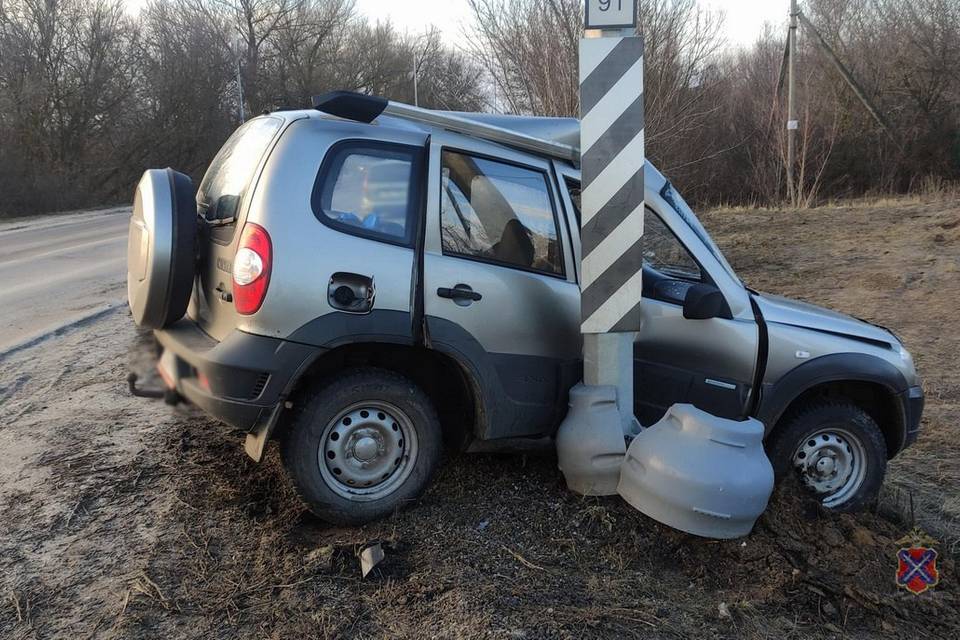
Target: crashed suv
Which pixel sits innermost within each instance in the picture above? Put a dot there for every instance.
(366, 281)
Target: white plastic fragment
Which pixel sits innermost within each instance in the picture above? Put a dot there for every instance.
(590, 444)
(370, 557)
(699, 473)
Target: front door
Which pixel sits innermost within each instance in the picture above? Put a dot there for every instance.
(707, 363)
(500, 293)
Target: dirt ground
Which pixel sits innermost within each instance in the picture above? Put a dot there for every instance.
(121, 517)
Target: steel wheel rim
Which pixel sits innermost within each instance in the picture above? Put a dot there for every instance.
(832, 462)
(367, 450)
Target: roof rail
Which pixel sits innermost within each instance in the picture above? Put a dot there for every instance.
(364, 108)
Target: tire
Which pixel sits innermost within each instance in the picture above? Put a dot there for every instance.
(362, 447)
(820, 442)
(161, 248)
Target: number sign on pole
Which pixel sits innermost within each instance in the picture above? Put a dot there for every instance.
(611, 14)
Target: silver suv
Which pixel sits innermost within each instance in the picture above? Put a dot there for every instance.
(364, 287)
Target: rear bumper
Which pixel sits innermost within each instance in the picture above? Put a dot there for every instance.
(912, 402)
(241, 380)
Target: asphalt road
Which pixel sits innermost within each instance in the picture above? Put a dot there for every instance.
(56, 271)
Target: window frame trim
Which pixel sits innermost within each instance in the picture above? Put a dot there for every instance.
(704, 274)
(705, 277)
(551, 196)
(333, 160)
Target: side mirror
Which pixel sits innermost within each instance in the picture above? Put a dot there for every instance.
(704, 301)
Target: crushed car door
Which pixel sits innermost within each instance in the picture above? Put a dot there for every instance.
(708, 363)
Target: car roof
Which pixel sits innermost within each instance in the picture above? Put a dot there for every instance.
(383, 121)
(558, 130)
(564, 132)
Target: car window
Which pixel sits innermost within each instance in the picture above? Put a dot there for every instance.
(367, 190)
(573, 188)
(231, 170)
(664, 252)
(661, 249)
(678, 204)
(498, 212)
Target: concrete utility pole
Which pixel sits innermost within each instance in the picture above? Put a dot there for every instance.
(792, 124)
(416, 68)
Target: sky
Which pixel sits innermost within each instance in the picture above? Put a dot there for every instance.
(745, 18)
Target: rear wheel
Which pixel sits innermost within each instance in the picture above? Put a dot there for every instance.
(363, 446)
(835, 449)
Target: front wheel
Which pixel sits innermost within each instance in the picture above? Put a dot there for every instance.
(363, 446)
(836, 450)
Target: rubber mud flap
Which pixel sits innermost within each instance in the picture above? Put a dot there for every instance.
(161, 252)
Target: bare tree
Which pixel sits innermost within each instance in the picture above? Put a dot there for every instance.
(311, 51)
(90, 96)
(529, 49)
(65, 76)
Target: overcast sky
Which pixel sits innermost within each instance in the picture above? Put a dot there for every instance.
(744, 21)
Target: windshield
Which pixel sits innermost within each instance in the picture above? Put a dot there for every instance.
(679, 205)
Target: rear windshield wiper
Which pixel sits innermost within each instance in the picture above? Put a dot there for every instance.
(203, 211)
(218, 222)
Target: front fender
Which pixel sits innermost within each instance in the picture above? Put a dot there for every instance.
(837, 367)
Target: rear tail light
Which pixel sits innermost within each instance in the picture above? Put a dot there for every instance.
(251, 269)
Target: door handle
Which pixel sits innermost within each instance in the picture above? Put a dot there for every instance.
(459, 292)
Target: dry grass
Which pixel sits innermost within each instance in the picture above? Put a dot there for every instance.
(929, 189)
(896, 263)
(123, 518)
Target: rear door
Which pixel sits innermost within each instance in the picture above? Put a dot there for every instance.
(222, 199)
(500, 291)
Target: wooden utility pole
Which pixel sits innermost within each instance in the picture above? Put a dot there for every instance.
(792, 123)
(845, 73)
(788, 72)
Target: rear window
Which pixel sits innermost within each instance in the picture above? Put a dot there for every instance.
(368, 189)
(230, 173)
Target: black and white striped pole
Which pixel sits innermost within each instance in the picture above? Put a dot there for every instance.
(591, 441)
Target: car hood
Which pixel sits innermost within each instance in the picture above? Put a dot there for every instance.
(809, 316)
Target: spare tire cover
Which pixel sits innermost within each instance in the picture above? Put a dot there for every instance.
(161, 248)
